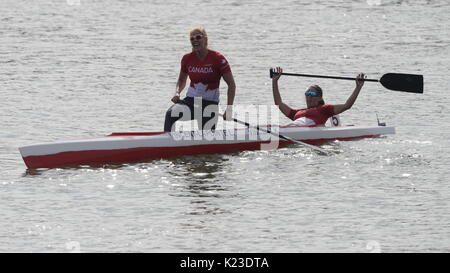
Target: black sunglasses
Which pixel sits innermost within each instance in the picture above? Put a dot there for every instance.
(196, 37)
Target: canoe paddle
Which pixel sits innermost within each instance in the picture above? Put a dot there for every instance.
(394, 81)
(281, 136)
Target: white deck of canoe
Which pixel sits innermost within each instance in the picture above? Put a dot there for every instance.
(188, 139)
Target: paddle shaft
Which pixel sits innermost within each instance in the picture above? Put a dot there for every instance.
(412, 83)
(281, 136)
(321, 76)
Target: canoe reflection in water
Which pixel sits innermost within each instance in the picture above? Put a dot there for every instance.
(201, 182)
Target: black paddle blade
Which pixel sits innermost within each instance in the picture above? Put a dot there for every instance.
(403, 82)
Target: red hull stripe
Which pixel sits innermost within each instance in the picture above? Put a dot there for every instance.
(97, 157)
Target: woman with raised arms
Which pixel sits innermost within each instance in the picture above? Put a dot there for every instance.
(316, 111)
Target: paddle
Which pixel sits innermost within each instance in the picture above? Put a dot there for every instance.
(282, 137)
(394, 81)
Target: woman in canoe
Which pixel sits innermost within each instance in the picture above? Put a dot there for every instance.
(205, 69)
(316, 111)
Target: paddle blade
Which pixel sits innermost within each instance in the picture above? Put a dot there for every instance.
(403, 82)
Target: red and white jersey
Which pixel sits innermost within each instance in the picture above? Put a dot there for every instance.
(313, 116)
(205, 74)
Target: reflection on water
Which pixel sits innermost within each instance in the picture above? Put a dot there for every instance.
(198, 169)
(202, 182)
(41, 171)
(33, 172)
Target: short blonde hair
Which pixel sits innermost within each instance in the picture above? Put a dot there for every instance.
(202, 31)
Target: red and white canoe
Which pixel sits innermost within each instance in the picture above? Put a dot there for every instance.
(134, 147)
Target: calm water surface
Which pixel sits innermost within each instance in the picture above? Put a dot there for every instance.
(75, 69)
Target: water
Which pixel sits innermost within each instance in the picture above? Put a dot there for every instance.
(75, 69)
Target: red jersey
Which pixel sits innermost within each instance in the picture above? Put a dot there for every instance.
(205, 74)
(319, 114)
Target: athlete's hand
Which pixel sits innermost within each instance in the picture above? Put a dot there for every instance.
(228, 114)
(176, 98)
(277, 73)
(359, 82)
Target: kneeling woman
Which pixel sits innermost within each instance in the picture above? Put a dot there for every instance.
(205, 69)
(316, 111)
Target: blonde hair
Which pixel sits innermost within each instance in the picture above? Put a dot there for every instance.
(202, 31)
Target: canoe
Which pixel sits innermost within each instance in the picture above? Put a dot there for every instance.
(119, 148)
(134, 147)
